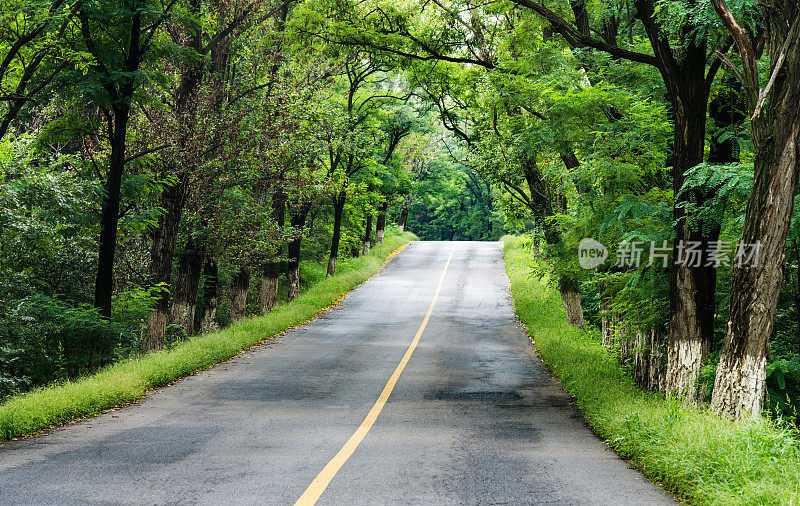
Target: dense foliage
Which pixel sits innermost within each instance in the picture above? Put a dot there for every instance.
(169, 167)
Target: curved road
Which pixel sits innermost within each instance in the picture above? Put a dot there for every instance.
(473, 418)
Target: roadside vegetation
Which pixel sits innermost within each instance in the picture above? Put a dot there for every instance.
(169, 167)
(702, 458)
(127, 381)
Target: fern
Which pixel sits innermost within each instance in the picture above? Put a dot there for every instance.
(711, 190)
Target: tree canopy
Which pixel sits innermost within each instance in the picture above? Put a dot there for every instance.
(168, 166)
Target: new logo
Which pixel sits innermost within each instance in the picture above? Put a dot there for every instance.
(591, 253)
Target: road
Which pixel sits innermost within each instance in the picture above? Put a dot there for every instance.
(473, 417)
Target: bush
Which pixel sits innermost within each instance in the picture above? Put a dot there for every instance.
(125, 381)
(44, 339)
(783, 388)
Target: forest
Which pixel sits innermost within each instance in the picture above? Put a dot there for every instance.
(168, 167)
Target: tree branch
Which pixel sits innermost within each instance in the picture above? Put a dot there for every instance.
(745, 47)
(577, 39)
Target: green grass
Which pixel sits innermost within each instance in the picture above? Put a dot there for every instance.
(699, 457)
(129, 380)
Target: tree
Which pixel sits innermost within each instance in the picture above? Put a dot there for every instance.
(688, 77)
(349, 138)
(117, 53)
(739, 386)
(398, 124)
(204, 58)
(31, 39)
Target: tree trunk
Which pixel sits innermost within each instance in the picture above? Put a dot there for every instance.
(185, 300)
(104, 282)
(692, 322)
(641, 362)
(298, 221)
(293, 281)
(338, 209)
(686, 356)
(625, 343)
(367, 234)
(692, 288)
(649, 359)
(120, 90)
(401, 222)
(173, 199)
(571, 297)
(657, 364)
(380, 224)
(605, 316)
(739, 387)
(211, 296)
(272, 270)
(610, 335)
(269, 286)
(240, 285)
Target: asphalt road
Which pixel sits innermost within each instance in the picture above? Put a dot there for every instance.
(474, 418)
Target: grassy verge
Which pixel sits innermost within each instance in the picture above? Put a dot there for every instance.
(127, 381)
(694, 454)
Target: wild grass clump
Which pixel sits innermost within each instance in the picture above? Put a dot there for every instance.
(129, 380)
(693, 453)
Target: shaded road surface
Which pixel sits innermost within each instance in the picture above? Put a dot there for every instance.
(475, 418)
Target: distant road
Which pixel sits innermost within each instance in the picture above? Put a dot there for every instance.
(469, 414)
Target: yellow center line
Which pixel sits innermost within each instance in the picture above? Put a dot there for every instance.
(323, 479)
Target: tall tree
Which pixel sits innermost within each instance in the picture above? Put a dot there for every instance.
(117, 53)
(399, 124)
(688, 77)
(205, 56)
(739, 387)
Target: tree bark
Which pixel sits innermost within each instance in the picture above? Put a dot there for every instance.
(640, 359)
(173, 200)
(401, 222)
(740, 384)
(571, 297)
(185, 300)
(649, 363)
(686, 356)
(269, 287)
(338, 210)
(380, 224)
(605, 318)
(692, 288)
(238, 293)
(625, 341)
(367, 234)
(208, 322)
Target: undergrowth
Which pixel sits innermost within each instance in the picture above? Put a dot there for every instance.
(700, 457)
(129, 380)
